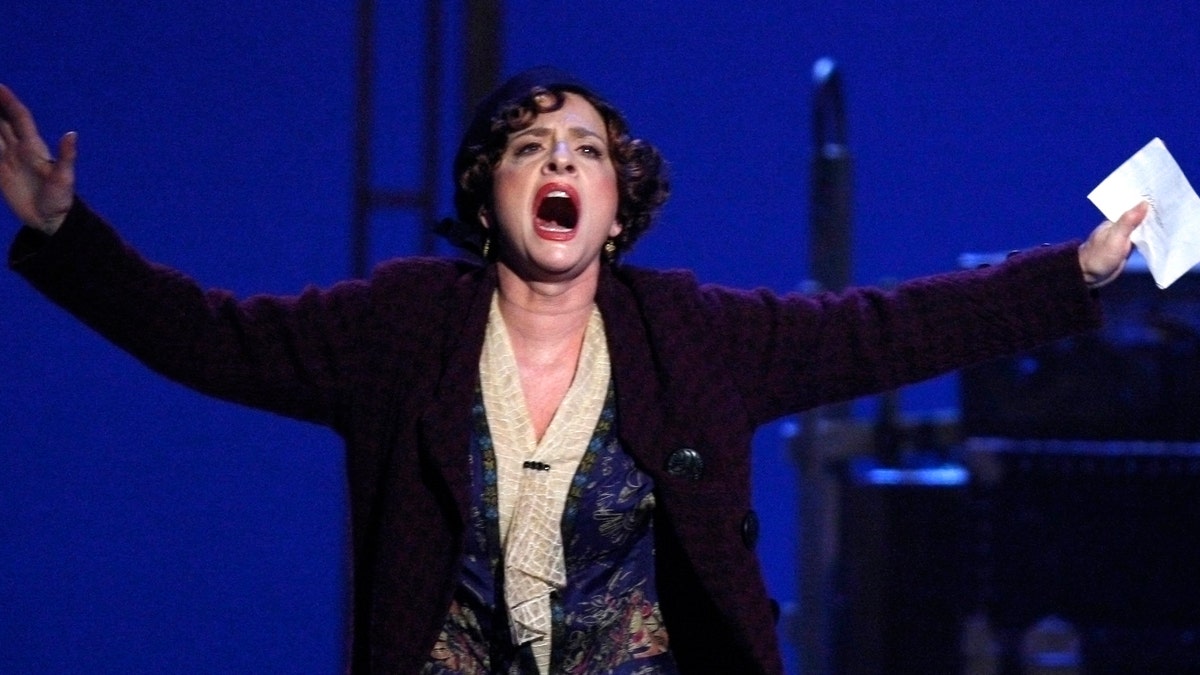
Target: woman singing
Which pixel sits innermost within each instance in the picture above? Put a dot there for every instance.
(547, 451)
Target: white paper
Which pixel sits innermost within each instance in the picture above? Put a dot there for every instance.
(1169, 237)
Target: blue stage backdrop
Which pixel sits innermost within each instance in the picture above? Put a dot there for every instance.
(147, 529)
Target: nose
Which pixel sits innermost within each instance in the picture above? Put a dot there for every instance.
(560, 160)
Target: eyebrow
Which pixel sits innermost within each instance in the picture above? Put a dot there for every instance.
(575, 132)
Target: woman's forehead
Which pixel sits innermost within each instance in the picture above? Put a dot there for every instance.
(576, 112)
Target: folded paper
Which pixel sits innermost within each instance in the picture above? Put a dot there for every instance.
(1169, 237)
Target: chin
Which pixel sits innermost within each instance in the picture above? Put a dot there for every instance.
(559, 270)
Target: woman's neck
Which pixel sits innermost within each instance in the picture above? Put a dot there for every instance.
(546, 324)
(546, 313)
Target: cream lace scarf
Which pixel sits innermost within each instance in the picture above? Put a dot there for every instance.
(533, 478)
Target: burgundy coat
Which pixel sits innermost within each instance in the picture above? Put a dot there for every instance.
(391, 364)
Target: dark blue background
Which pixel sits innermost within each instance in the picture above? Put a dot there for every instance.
(146, 529)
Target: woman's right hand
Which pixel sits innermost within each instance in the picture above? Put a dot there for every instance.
(38, 189)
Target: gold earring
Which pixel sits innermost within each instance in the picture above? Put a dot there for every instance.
(487, 246)
(610, 250)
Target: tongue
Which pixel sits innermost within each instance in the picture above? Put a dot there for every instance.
(557, 212)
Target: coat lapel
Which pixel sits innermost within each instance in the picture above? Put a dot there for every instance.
(639, 396)
(446, 419)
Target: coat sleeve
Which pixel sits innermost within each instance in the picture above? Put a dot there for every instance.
(793, 352)
(284, 354)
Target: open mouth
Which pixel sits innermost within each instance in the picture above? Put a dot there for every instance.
(556, 209)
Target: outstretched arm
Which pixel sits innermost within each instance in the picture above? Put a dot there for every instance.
(285, 354)
(38, 188)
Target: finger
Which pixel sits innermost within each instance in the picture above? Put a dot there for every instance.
(16, 114)
(7, 99)
(63, 171)
(8, 137)
(1132, 218)
(6, 95)
(68, 150)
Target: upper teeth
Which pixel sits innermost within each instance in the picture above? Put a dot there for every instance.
(562, 194)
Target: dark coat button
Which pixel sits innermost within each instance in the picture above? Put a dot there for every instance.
(685, 463)
(750, 529)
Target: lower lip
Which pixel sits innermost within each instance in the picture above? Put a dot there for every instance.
(554, 235)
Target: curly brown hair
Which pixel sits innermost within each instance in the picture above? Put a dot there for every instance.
(642, 182)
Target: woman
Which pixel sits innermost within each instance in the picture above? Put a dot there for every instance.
(548, 452)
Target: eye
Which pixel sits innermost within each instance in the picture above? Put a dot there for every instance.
(526, 149)
(592, 151)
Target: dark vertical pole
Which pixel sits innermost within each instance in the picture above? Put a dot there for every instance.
(831, 181)
(432, 126)
(828, 433)
(484, 37)
(485, 49)
(364, 82)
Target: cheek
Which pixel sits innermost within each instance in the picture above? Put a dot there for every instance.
(607, 188)
(614, 196)
(506, 191)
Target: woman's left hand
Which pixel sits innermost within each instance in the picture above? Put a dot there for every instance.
(1103, 255)
(38, 189)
